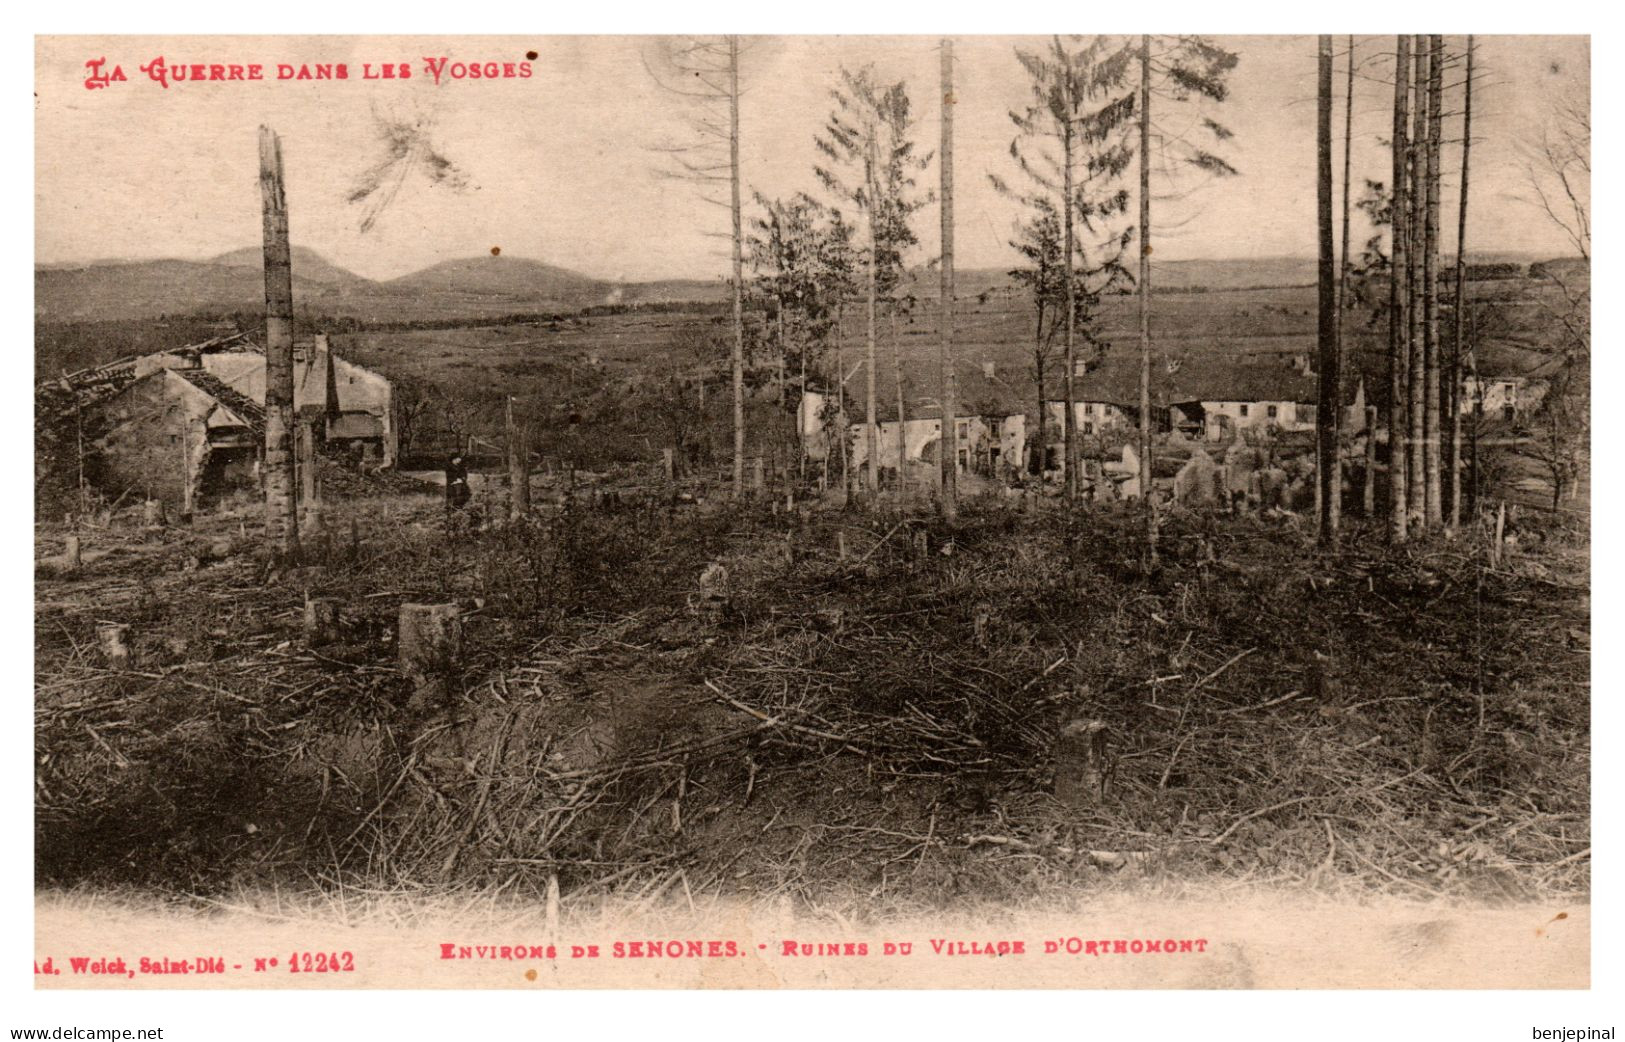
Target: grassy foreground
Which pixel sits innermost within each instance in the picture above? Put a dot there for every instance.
(874, 729)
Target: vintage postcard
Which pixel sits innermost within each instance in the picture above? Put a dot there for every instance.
(1079, 512)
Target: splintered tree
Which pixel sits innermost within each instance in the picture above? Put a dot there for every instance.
(872, 163)
(281, 503)
(1187, 69)
(1326, 425)
(706, 71)
(1071, 148)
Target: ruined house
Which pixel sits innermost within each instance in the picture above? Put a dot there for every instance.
(353, 406)
(177, 434)
(990, 434)
(187, 426)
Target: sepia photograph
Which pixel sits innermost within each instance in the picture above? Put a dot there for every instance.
(841, 512)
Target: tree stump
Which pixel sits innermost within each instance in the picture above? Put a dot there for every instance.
(840, 545)
(153, 513)
(1080, 763)
(114, 640)
(71, 558)
(321, 621)
(714, 597)
(982, 623)
(430, 643)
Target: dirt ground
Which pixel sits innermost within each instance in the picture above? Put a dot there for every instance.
(875, 728)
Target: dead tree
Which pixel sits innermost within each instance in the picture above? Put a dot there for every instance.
(1343, 277)
(1416, 166)
(948, 460)
(1326, 416)
(1398, 302)
(707, 70)
(1453, 377)
(1432, 513)
(281, 504)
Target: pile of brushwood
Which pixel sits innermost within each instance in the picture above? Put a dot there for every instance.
(850, 703)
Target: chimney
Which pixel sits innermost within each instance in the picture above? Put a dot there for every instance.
(988, 369)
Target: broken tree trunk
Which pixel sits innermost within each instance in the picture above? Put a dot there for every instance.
(1368, 501)
(310, 492)
(518, 469)
(430, 642)
(1080, 763)
(321, 620)
(281, 508)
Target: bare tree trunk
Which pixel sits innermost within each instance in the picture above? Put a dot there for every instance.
(1398, 301)
(1430, 289)
(842, 423)
(739, 272)
(1069, 421)
(1461, 296)
(1145, 296)
(1326, 415)
(1416, 484)
(281, 503)
(1343, 274)
(950, 464)
(873, 433)
(518, 469)
(902, 414)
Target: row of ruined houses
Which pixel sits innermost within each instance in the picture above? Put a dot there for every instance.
(187, 426)
(1214, 399)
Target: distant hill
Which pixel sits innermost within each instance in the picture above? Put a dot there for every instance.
(485, 287)
(467, 288)
(513, 278)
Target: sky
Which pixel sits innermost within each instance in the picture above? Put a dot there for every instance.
(565, 166)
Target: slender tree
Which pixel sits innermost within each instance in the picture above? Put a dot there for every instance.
(1416, 465)
(1343, 288)
(1326, 415)
(872, 164)
(1453, 384)
(1398, 300)
(1433, 515)
(1071, 148)
(1190, 68)
(705, 70)
(948, 460)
